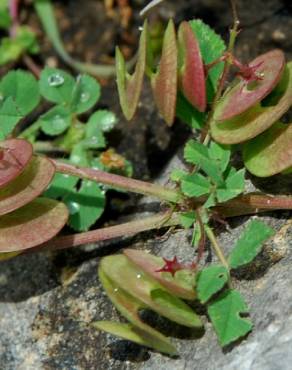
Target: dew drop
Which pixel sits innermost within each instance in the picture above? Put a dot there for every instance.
(56, 80)
(139, 276)
(85, 96)
(73, 207)
(57, 121)
(116, 290)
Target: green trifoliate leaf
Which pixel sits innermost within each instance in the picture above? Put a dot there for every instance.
(23, 88)
(220, 153)
(211, 201)
(85, 206)
(211, 280)
(56, 120)
(61, 185)
(85, 94)
(56, 85)
(225, 312)
(250, 243)
(195, 185)
(79, 156)
(9, 117)
(187, 219)
(195, 152)
(103, 120)
(234, 185)
(198, 154)
(212, 47)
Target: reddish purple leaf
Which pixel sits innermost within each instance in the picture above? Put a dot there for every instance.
(247, 92)
(257, 119)
(130, 86)
(164, 81)
(191, 73)
(14, 156)
(27, 186)
(32, 225)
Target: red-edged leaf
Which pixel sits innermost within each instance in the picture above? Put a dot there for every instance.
(32, 224)
(191, 73)
(236, 100)
(27, 186)
(130, 86)
(14, 156)
(270, 152)
(257, 119)
(182, 284)
(164, 81)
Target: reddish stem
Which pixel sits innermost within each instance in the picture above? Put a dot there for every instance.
(121, 182)
(111, 232)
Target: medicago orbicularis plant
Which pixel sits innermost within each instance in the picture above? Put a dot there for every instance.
(188, 82)
(211, 189)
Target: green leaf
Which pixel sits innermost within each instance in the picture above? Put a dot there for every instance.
(270, 152)
(225, 313)
(175, 305)
(136, 335)
(250, 243)
(177, 175)
(198, 154)
(85, 94)
(11, 49)
(234, 185)
(188, 114)
(80, 156)
(5, 19)
(187, 219)
(61, 185)
(129, 307)
(195, 185)
(56, 120)
(56, 85)
(220, 153)
(85, 205)
(99, 122)
(210, 281)
(23, 88)
(103, 120)
(9, 117)
(195, 153)
(212, 47)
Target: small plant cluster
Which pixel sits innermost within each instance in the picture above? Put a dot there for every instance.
(189, 83)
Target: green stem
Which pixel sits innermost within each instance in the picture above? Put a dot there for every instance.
(111, 232)
(121, 182)
(216, 246)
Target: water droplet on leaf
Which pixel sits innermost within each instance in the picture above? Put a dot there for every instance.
(85, 96)
(56, 80)
(73, 207)
(139, 276)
